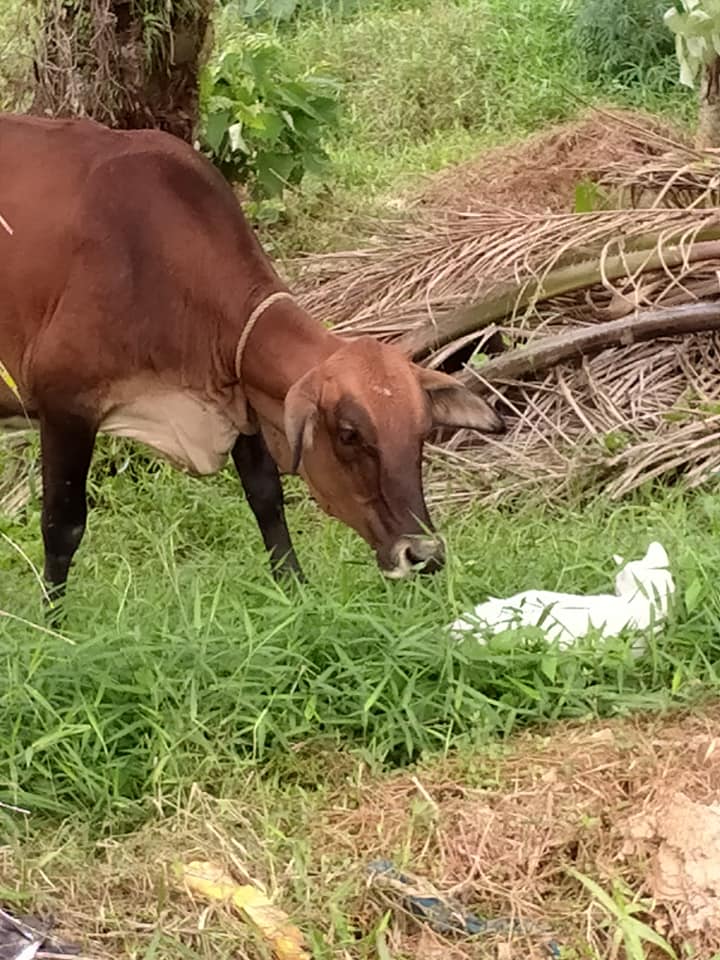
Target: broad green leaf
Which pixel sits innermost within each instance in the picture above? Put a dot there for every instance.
(272, 126)
(273, 170)
(314, 163)
(229, 65)
(259, 62)
(252, 115)
(217, 103)
(673, 19)
(293, 95)
(697, 36)
(216, 126)
(261, 118)
(697, 20)
(325, 107)
(478, 360)
(586, 194)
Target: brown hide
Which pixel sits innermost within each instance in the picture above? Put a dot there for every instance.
(129, 272)
(126, 279)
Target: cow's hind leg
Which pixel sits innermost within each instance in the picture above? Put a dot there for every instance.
(261, 482)
(67, 442)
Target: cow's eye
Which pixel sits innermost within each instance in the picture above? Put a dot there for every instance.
(348, 436)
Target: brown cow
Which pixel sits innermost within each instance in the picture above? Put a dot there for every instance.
(136, 300)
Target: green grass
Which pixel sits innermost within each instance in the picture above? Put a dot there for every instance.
(188, 666)
(188, 662)
(305, 840)
(431, 83)
(412, 75)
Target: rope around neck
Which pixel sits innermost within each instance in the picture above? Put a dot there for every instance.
(252, 320)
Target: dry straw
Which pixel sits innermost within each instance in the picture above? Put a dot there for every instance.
(504, 846)
(605, 324)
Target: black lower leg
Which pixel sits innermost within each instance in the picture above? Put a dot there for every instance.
(261, 482)
(67, 442)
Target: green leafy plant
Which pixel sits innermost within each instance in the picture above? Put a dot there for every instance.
(696, 25)
(282, 11)
(263, 122)
(623, 41)
(620, 910)
(260, 11)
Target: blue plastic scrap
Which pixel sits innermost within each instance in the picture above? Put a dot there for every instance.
(442, 913)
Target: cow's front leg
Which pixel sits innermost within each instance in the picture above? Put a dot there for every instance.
(261, 482)
(67, 441)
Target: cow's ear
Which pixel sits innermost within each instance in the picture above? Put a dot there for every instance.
(300, 416)
(453, 405)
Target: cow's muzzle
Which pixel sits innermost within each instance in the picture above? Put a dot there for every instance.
(420, 553)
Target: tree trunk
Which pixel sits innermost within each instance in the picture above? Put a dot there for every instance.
(127, 63)
(708, 132)
(536, 358)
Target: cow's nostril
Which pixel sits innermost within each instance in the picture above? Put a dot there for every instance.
(425, 552)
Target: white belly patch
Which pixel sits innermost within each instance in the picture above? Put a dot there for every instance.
(188, 431)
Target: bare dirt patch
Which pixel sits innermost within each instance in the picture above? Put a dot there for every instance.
(621, 801)
(627, 803)
(540, 174)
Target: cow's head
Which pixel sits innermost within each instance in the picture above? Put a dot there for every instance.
(356, 424)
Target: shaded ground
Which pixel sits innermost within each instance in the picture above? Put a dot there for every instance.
(500, 831)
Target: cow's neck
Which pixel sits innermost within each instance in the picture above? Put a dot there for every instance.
(284, 345)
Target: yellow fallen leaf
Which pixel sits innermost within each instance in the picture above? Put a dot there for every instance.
(213, 882)
(9, 380)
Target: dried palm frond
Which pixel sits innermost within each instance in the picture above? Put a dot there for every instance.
(618, 419)
(425, 270)
(681, 177)
(610, 370)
